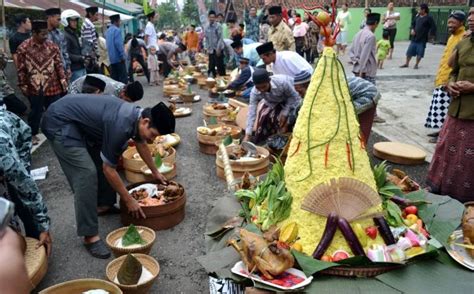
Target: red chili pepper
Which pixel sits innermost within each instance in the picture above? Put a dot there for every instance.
(348, 150)
(297, 149)
(326, 155)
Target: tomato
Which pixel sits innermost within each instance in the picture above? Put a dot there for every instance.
(371, 232)
(326, 258)
(411, 219)
(412, 209)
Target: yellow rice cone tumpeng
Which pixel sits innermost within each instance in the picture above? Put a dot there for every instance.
(326, 144)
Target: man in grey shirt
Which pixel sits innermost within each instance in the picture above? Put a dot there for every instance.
(77, 121)
(272, 100)
(130, 92)
(167, 53)
(364, 50)
(214, 46)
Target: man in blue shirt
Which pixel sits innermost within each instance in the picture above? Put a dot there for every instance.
(113, 36)
(243, 81)
(247, 51)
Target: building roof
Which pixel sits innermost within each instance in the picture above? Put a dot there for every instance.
(122, 6)
(78, 5)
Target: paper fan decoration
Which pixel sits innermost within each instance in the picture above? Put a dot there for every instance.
(348, 197)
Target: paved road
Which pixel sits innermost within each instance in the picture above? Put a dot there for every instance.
(177, 248)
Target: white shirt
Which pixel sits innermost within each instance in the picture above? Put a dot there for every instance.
(151, 33)
(290, 63)
(300, 30)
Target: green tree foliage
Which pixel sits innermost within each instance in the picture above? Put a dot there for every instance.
(168, 15)
(190, 13)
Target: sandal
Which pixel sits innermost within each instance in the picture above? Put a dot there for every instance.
(98, 249)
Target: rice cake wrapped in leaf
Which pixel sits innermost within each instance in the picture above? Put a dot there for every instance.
(130, 271)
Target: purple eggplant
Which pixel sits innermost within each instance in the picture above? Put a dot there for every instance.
(350, 237)
(328, 235)
(404, 202)
(384, 230)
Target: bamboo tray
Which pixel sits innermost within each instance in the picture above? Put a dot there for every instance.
(82, 285)
(399, 153)
(148, 235)
(147, 261)
(361, 272)
(36, 261)
(132, 164)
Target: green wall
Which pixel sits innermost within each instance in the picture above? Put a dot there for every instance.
(403, 25)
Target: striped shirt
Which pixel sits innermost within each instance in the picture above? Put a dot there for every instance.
(89, 35)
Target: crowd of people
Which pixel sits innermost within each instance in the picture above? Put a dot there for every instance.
(81, 88)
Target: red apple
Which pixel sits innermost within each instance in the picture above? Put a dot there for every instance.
(371, 232)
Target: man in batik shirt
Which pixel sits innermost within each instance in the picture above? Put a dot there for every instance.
(41, 75)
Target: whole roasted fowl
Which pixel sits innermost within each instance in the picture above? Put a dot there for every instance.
(258, 254)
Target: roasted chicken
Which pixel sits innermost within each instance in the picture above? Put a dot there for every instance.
(258, 254)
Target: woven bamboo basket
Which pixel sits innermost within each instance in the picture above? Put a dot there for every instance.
(159, 217)
(169, 90)
(170, 81)
(147, 261)
(243, 166)
(202, 82)
(255, 168)
(190, 68)
(82, 285)
(208, 111)
(360, 272)
(141, 176)
(208, 144)
(239, 174)
(176, 136)
(36, 261)
(187, 97)
(226, 121)
(132, 164)
(210, 84)
(147, 234)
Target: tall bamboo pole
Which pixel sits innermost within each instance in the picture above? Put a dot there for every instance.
(103, 18)
(4, 27)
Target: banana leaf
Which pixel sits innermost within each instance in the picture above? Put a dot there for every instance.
(132, 237)
(309, 265)
(441, 217)
(158, 161)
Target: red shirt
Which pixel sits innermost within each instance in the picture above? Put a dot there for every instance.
(40, 68)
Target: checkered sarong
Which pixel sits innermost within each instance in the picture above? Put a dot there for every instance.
(438, 108)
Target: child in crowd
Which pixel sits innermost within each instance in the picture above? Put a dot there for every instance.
(383, 47)
(154, 67)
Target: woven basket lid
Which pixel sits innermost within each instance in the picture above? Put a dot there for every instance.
(399, 152)
(36, 261)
